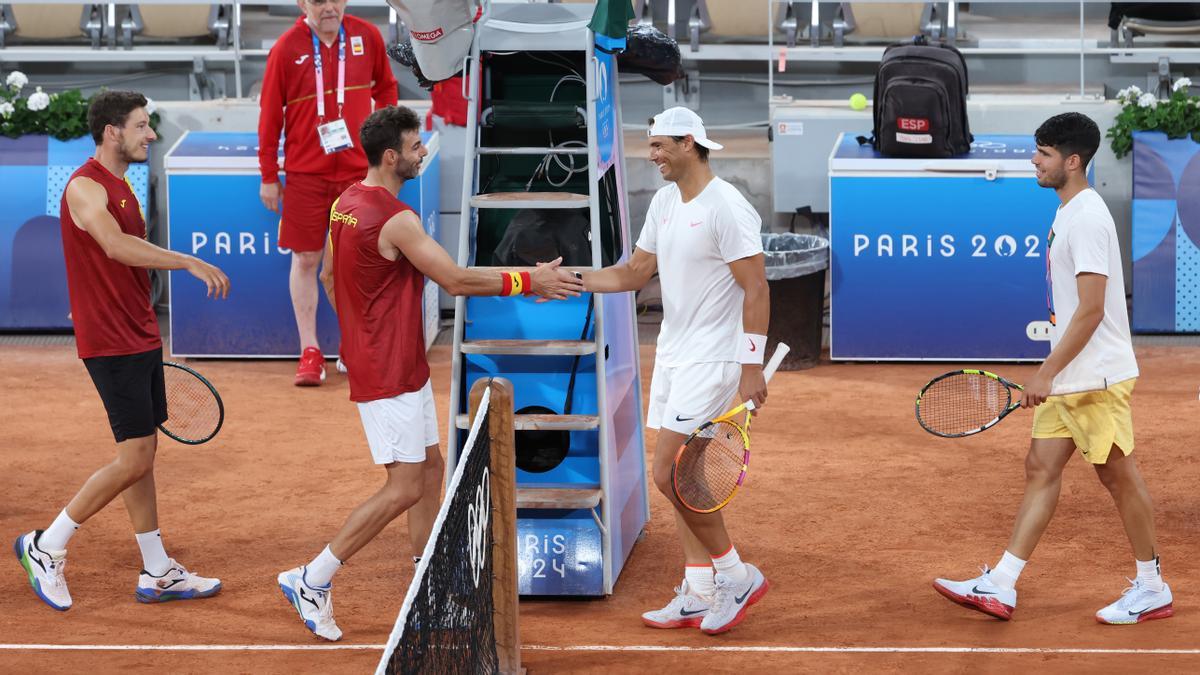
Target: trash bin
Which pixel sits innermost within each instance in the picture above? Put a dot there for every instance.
(796, 265)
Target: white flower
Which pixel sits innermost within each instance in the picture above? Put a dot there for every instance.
(1135, 90)
(1181, 83)
(38, 100)
(1144, 101)
(150, 107)
(16, 80)
(6, 109)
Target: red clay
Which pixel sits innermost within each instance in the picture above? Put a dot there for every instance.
(849, 508)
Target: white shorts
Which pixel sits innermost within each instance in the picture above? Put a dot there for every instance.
(393, 426)
(684, 397)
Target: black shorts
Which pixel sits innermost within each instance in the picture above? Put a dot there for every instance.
(131, 387)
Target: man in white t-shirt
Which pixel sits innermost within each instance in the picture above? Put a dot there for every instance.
(1090, 352)
(702, 237)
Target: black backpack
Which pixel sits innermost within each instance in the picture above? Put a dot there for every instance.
(921, 101)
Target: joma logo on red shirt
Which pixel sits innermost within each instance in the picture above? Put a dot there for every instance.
(428, 36)
(912, 124)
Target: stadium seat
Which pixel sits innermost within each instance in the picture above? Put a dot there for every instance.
(50, 22)
(1168, 21)
(888, 21)
(734, 22)
(175, 22)
(641, 9)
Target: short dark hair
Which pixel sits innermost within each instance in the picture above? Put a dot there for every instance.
(384, 128)
(111, 107)
(700, 149)
(1070, 133)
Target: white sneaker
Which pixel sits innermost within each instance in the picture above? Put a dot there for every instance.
(315, 605)
(980, 594)
(341, 366)
(45, 570)
(731, 600)
(686, 610)
(175, 584)
(1137, 604)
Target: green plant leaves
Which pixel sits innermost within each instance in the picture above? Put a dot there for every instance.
(1178, 117)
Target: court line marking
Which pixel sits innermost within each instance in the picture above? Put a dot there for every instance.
(783, 649)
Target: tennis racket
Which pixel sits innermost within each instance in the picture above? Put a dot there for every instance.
(966, 402)
(194, 408)
(712, 463)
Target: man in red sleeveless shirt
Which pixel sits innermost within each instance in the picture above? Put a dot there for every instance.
(116, 332)
(348, 57)
(381, 255)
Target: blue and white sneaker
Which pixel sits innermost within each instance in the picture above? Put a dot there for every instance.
(45, 570)
(175, 584)
(314, 605)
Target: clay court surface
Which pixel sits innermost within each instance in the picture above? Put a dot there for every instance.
(850, 510)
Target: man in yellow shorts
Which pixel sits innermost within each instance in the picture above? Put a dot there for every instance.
(1090, 350)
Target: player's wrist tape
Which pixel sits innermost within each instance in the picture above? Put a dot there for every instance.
(751, 348)
(516, 283)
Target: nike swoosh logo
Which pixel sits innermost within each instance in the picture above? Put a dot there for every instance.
(1140, 611)
(305, 597)
(698, 223)
(742, 598)
(752, 347)
(683, 419)
(33, 556)
(300, 61)
(684, 612)
(979, 592)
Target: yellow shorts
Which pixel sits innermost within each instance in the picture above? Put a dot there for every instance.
(1095, 420)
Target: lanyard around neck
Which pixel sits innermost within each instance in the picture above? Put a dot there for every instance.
(319, 72)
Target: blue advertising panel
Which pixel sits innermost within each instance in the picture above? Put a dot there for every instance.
(941, 259)
(606, 118)
(559, 554)
(33, 174)
(215, 214)
(1166, 233)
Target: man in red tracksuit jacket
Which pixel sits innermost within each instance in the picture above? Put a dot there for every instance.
(348, 57)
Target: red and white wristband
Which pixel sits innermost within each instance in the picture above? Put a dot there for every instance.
(751, 348)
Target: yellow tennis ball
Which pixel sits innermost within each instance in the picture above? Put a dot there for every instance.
(858, 102)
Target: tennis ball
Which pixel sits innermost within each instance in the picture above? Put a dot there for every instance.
(858, 102)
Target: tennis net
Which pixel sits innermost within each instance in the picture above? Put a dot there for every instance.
(448, 622)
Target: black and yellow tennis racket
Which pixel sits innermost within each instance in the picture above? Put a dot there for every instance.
(195, 412)
(966, 402)
(712, 463)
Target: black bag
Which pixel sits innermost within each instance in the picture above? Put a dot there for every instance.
(921, 101)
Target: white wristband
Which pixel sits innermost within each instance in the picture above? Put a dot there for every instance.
(751, 348)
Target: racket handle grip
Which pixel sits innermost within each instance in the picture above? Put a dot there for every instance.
(781, 350)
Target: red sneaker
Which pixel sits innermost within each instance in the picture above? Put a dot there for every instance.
(311, 371)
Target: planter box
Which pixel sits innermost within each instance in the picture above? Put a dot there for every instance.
(1166, 234)
(33, 279)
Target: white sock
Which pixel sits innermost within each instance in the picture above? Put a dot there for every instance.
(319, 573)
(1150, 574)
(55, 537)
(154, 557)
(700, 580)
(731, 566)
(1007, 571)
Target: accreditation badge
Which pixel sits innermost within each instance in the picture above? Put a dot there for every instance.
(335, 136)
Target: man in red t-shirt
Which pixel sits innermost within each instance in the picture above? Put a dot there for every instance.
(116, 333)
(380, 256)
(347, 56)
